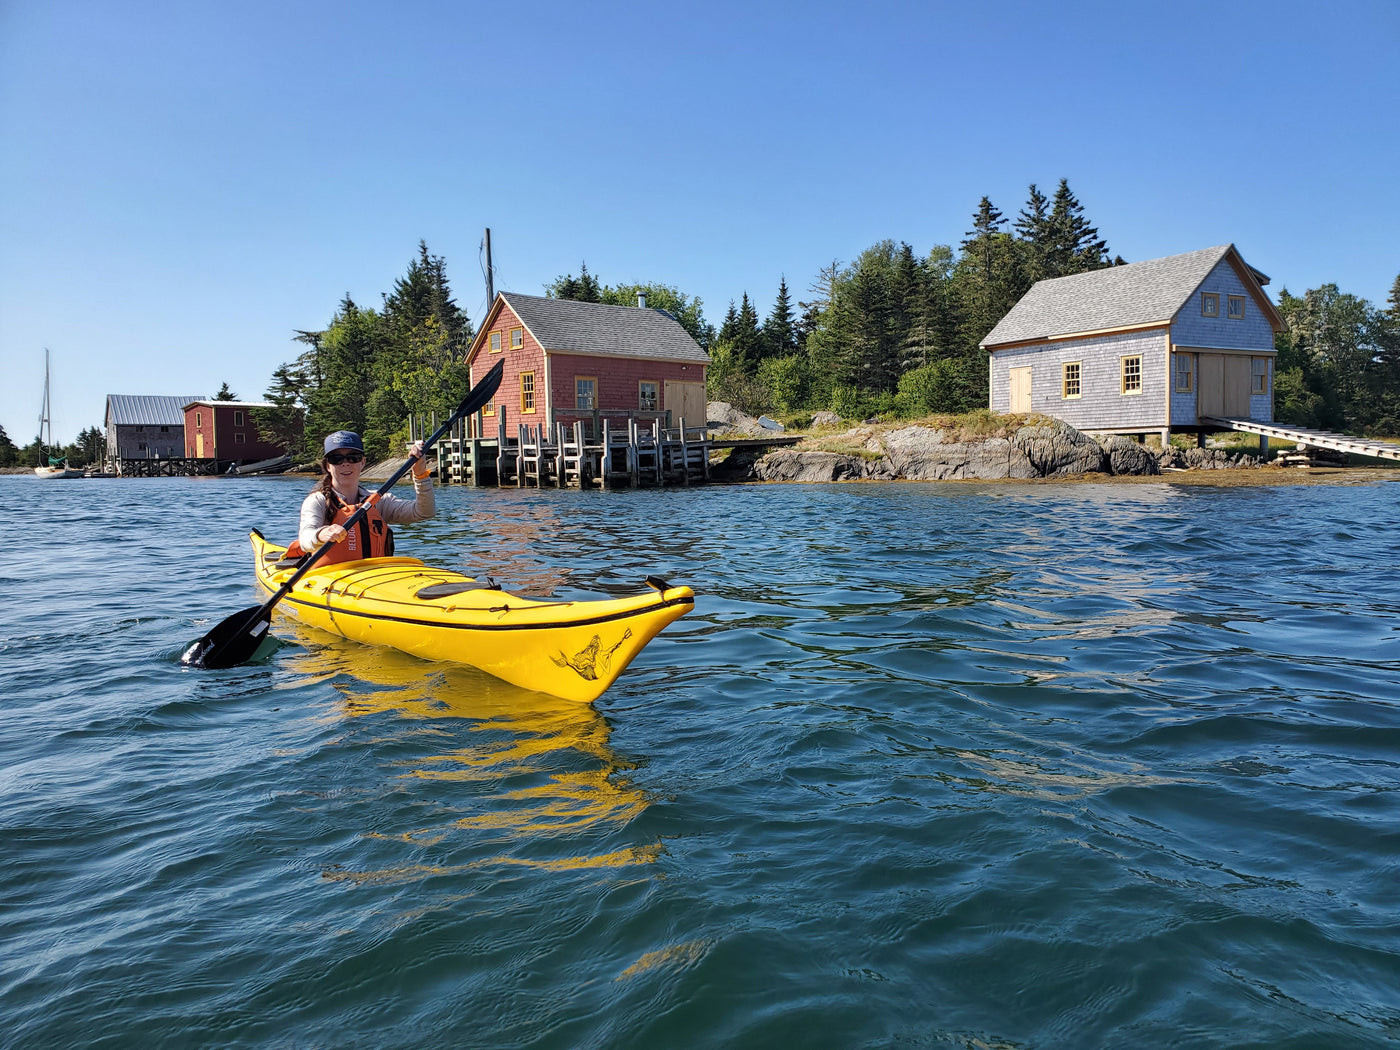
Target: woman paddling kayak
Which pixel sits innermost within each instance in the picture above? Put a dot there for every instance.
(339, 493)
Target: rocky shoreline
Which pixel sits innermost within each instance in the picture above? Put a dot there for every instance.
(1043, 448)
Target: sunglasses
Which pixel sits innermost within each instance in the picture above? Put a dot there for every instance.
(335, 459)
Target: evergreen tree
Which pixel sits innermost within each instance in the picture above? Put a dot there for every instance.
(729, 327)
(583, 288)
(932, 331)
(225, 394)
(987, 277)
(1074, 246)
(284, 424)
(348, 350)
(9, 452)
(423, 316)
(779, 330)
(748, 342)
(1033, 225)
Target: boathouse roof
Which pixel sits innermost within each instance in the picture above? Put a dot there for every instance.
(603, 330)
(1136, 295)
(149, 410)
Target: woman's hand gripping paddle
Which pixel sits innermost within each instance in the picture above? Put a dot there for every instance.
(237, 638)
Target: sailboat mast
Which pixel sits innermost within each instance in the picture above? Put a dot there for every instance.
(45, 437)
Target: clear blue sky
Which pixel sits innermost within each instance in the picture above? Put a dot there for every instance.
(183, 184)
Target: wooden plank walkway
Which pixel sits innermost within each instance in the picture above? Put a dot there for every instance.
(1306, 436)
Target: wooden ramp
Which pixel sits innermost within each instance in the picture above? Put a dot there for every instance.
(1312, 438)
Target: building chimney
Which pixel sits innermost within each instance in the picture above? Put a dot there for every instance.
(641, 300)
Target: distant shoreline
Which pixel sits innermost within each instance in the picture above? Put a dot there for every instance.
(1217, 478)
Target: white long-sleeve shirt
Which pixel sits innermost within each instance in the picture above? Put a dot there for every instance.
(395, 510)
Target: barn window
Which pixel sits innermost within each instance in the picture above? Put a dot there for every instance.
(1235, 307)
(1132, 374)
(1185, 364)
(1070, 384)
(238, 419)
(495, 342)
(1259, 368)
(527, 391)
(586, 392)
(517, 338)
(199, 419)
(240, 439)
(646, 396)
(1210, 304)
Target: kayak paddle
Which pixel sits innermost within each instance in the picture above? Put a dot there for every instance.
(237, 638)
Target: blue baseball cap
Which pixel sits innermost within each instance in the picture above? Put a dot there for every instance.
(344, 439)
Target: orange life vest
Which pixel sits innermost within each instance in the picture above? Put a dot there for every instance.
(370, 538)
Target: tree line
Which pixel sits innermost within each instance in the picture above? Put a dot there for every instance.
(893, 331)
(369, 368)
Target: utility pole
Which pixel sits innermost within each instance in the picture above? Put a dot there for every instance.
(490, 276)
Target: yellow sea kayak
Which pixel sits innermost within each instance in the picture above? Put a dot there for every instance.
(569, 649)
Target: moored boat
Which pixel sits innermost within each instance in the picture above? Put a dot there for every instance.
(57, 466)
(570, 649)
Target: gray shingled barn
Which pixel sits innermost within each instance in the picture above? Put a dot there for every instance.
(1151, 346)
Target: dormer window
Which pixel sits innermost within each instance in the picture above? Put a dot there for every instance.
(1210, 304)
(1236, 308)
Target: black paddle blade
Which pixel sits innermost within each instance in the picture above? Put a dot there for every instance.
(232, 642)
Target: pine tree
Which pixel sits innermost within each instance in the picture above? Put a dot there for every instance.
(779, 331)
(584, 288)
(932, 333)
(225, 394)
(1033, 225)
(1074, 246)
(748, 342)
(729, 327)
(987, 276)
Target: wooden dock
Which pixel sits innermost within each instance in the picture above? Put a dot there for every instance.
(1306, 438)
(629, 454)
(169, 467)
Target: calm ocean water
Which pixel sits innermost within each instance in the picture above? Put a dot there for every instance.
(953, 765)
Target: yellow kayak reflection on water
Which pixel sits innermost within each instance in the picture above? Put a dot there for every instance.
(566, 782)
(570, 649)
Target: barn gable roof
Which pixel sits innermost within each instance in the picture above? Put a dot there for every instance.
(599, 329)
(147, 410)
(1137, 295)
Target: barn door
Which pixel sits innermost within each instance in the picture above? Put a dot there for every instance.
(1210, 385)
(686, 401)
(199, 446)
(1020, 389)
(1237, 376)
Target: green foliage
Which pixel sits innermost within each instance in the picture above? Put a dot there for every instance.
(284, 424)
(225, 394)
(891, 313)
(9, 452)
(369, 370)
(947, 385)
(687, 310)
(780, 330)
(1338, 364)
(788, 379)
(583, 289)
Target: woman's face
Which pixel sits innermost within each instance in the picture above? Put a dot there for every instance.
(344, 466)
